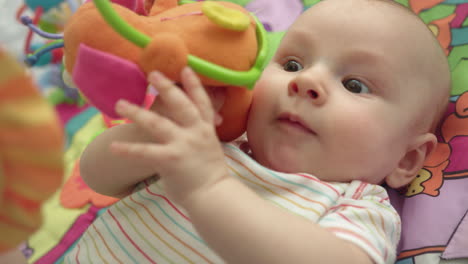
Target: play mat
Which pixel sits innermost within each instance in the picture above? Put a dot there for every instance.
(434, 207)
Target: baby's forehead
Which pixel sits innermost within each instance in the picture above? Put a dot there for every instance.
(383, 20)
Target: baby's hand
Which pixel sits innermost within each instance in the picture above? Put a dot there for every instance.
(216, 94)
(186, 152)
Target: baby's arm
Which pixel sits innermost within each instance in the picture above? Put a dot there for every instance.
(238, 224)
(244, 228)
(107, 173)
(241, 227)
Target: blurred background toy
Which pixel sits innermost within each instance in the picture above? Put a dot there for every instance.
(48, 15)
(31, 153)
(48, 21)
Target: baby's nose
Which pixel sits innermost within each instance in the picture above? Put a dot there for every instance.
(314, 92)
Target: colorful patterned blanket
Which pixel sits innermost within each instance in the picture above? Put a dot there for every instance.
(434, 207)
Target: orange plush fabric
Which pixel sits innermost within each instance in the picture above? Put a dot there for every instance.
(31, 145)
(176, 31)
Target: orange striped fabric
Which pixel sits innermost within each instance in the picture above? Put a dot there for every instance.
(31, 151)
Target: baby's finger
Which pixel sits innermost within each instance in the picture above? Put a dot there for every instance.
(179, 107)
(197, 93)
(154, 124)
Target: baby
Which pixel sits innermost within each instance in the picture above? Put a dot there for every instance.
(349, 101)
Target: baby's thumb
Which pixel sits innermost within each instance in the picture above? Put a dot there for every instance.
(218, 119)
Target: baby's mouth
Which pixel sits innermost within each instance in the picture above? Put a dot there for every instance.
(295, 121)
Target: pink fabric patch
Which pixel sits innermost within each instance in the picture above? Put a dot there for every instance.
(67, 111)
(73, 234)
(140, 8)
(105, 78)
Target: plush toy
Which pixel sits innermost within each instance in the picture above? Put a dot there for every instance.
(221, 41)
(31, 145)
(49, 15)
(50, 53)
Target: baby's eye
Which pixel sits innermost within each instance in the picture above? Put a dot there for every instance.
(292, 66)
(355, 86)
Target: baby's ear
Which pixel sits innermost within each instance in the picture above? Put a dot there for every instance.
(408, 167)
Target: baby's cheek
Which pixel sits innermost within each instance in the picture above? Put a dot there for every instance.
(360, 133)
(374, 141)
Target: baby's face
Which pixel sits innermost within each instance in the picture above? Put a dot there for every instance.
(339, 99)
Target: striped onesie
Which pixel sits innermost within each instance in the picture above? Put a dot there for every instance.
(146, 227)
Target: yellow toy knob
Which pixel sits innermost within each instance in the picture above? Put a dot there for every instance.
(225, 17)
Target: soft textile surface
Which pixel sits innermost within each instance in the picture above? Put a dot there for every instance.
(31, 144)
(434, 209)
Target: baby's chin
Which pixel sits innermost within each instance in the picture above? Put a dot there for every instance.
(281, 161)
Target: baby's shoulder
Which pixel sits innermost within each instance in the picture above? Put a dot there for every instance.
(357, 190)
(366, 195)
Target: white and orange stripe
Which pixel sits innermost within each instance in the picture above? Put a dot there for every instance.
(31, 153)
